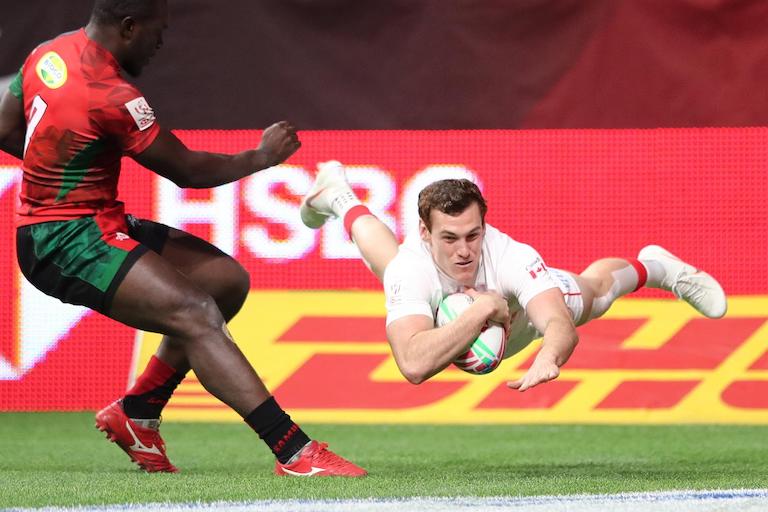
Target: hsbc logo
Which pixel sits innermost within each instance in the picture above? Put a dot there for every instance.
(37, 322)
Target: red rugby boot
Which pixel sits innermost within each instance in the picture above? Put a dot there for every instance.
(316, 459)
(143, 445)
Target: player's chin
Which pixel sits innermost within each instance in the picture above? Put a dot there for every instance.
(462, 272)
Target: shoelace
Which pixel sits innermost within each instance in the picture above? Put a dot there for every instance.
(158, 441)
(327, 458)
(686, 290)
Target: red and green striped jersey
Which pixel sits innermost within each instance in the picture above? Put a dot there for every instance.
(82, 117)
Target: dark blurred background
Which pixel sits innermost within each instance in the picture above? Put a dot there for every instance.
(440, 64)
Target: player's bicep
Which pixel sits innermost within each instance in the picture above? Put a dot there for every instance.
(546, 306)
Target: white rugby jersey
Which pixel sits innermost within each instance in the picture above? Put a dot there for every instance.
(413, 285)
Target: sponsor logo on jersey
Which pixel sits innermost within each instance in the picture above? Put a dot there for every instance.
(141, 112)
(52, 70)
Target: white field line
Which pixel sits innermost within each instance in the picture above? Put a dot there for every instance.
(743, 500)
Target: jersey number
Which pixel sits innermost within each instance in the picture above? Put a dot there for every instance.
(35, 115)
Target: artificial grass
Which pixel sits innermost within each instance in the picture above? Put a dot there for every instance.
(60, 459)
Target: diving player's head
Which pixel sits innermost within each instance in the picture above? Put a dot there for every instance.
(452, 223)
(132, 30)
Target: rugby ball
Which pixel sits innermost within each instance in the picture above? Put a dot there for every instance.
(486, 352)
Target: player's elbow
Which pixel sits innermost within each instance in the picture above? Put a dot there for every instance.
(415, 373)
(177, 174)
(11, 143)
(190, 176)
(189, 170)
(415, 378)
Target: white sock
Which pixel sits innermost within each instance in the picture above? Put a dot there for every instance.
(296, 455)
(656, 273)
(624, 280)
(153, 423)
(343, 202)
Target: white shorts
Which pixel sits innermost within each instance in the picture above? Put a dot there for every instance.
(571, 293)
(573, 300)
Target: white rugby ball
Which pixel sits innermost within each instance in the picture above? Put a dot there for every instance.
(486, 352)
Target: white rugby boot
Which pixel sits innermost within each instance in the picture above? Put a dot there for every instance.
(330, 187)
(694, 286)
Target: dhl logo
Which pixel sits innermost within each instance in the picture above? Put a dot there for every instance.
(324, 355)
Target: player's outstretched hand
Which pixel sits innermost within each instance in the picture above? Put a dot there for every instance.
(278, 142)
(542, 370)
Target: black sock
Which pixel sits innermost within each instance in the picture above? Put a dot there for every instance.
(276, 428)
(149, 404)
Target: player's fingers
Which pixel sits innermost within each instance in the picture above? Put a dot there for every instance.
(546, 377)
(471, 292)
(273, 127)
(515, 384)
(294, 147)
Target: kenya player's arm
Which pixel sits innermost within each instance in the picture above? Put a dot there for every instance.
(170, 158)
(12, 125)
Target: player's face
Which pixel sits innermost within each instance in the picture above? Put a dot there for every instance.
(456, 242)
(147, 39)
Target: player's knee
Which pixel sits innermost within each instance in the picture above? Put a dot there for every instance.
(233, 289)
(604, 295)
(600, 305)
(195, 314)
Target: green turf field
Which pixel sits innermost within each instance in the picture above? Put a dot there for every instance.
(60, 459)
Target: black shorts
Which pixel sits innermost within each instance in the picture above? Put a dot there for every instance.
(83, 261)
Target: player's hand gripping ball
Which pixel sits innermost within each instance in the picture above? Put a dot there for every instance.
(487, 351)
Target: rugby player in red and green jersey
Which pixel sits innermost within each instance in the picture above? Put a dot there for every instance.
(71, 116)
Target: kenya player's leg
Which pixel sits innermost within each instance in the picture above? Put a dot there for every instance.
(155, 296)
(331, 196)
(208, 268)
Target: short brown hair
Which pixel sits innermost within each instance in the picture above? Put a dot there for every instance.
(451, 197)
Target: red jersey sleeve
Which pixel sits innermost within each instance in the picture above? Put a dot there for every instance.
(128, 118)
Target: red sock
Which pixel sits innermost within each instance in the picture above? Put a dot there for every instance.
(352, 215)
(642, 272)
(151, 390)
